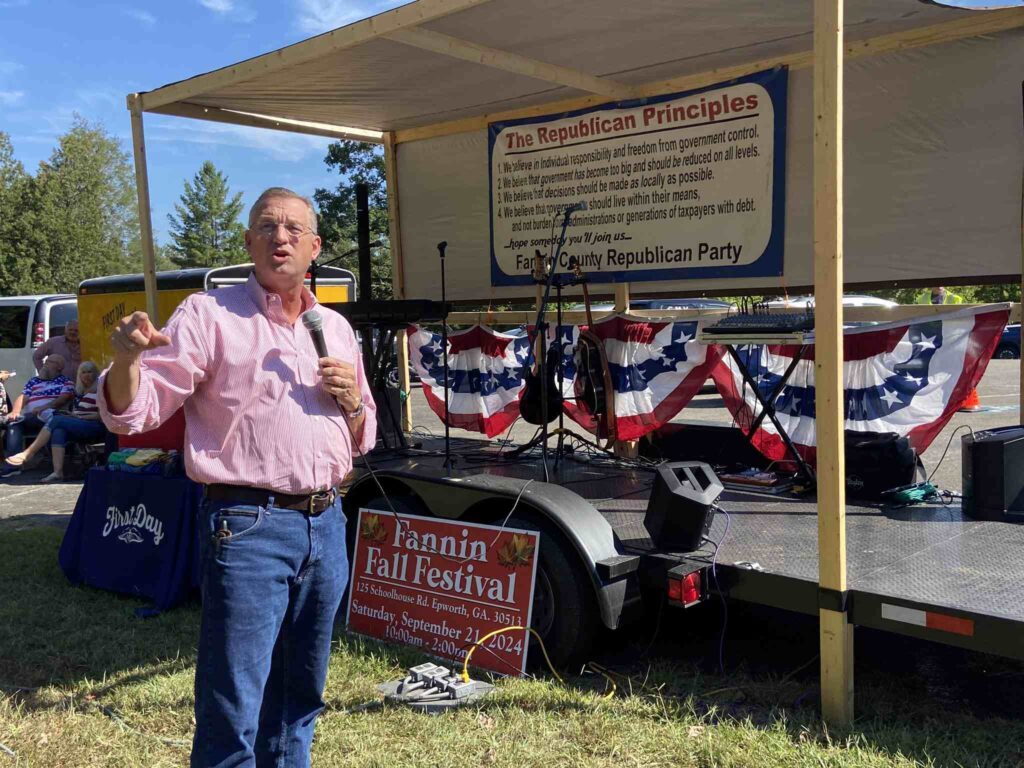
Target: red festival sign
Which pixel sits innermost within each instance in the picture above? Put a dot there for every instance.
(442, 585)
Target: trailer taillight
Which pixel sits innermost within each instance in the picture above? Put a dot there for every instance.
(685, 591)
(38, 334)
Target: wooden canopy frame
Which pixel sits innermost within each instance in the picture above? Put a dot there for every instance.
(199, 98)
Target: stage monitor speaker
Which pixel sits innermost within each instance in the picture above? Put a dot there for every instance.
(681, 507)
(389, 416)
(993, 474)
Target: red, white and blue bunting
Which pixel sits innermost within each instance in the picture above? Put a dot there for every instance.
(904, 377)
(486, 372)
(656, 369)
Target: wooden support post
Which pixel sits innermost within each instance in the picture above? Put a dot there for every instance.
(397, 271)
(627, 449)
(145, 218)
(836, 633)
(622, 297)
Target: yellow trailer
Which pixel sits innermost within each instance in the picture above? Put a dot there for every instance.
(103, 301)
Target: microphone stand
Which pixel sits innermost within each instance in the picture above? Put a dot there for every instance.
(542, 328)
(444, 351)
(316, 265)
(561, 371)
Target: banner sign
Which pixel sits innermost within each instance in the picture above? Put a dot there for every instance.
(442, 585)
(687, 185)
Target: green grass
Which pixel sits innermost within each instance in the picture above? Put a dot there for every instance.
(107, 689)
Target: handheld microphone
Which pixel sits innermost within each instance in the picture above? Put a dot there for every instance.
(441, 247)
(315, 325)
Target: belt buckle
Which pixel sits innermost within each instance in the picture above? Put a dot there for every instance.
(320, 496)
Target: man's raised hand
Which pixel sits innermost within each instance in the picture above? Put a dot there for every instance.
(135, 334)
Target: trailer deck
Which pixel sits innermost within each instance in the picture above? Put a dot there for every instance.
(927, 571)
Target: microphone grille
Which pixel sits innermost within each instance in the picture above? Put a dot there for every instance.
(312, 320)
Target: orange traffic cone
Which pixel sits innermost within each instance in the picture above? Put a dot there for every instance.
(973, 403)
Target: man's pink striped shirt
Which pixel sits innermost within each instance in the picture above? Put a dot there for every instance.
(255, 411)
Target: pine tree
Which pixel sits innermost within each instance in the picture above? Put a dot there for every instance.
(206, 232)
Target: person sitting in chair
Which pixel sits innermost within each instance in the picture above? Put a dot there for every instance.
(48, 391)
(5, 401)
(81, 425)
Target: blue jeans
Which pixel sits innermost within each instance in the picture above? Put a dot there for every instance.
(271, 590)
(14, 442)
(63, 428)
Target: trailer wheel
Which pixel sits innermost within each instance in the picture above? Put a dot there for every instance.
(564, 608)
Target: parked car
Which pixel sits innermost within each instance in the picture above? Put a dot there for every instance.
(25, 323)
(852, 300)
(1009, 343)
(651, 304)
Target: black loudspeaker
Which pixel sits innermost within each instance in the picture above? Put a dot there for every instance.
(389, 416)
(993, 474)
(680, 510)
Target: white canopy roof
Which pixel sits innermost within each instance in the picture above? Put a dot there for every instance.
(435, 61)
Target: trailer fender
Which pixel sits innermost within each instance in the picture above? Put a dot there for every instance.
(589, 534)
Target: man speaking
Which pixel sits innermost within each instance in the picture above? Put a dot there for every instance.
(271, 430)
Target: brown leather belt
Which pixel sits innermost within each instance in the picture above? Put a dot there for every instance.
(312, 504)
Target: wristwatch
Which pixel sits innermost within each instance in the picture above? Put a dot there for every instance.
(357, 412)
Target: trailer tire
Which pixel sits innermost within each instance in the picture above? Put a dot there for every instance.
(564, 610)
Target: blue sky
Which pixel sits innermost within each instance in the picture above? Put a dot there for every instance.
(61, 57)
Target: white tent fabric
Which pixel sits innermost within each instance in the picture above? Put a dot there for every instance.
(356, 77)
(934, 157)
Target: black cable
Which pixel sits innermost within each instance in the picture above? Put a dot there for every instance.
(949, 443)
(402, 526)
(718, 587)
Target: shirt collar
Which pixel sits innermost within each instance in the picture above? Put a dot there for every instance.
(265, 299)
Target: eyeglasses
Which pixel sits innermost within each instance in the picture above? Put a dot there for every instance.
(269, 229)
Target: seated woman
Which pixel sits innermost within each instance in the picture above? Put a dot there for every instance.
(45, 392)
(81, 425)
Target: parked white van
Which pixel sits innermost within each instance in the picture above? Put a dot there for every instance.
(25, 323)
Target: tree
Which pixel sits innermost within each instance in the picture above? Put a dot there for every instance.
(77, 217)
(357, 162)
(206, 231)
(16, 260)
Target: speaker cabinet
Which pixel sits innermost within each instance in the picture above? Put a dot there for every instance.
(680, 510)
(993, 474)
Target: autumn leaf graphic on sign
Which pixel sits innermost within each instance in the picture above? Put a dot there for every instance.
(373, 529)
(516, 551)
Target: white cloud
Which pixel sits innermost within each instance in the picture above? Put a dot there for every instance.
(9, 98)
(236, 10)
(317, 16)
(138, 14)
(218, 6)
(273, 144)
(100, 97)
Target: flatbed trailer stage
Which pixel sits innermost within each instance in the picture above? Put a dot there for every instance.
(926, 571)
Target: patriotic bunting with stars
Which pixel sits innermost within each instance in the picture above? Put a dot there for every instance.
(656, 366)
(905, 377)
(485, 369)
